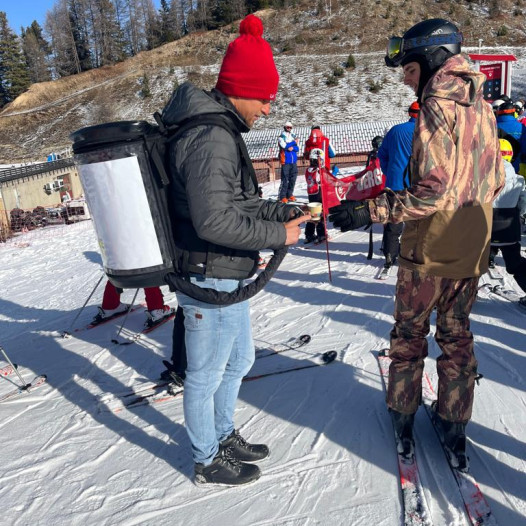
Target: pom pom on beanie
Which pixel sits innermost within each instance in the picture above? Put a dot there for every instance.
(251, 25)
(248, 70)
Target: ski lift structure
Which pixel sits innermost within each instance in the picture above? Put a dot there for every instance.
(497, 69)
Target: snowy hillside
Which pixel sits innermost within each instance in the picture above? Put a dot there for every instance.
(370, 92)
(65, 461)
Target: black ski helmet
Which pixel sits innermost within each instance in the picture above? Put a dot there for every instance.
(377, 142)
(431, 41)
(506, 108)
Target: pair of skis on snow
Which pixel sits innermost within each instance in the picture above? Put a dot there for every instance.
(12, 369)
(497, 288)
(25, 388)
(167, 390)
(416, 509)
(147, 329)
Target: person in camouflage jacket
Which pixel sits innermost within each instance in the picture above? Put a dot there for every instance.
(456, 172)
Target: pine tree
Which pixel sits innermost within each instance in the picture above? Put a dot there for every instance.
(14, 75)
(78, 26)
(177, 18)
(108, 37)
(167, 33)
(36, 52)
(70, 52)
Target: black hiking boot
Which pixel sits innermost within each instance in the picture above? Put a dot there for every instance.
(403, 425)
(226, 470)
(242, 450)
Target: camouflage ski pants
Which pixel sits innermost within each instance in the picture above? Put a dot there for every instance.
(417, 294)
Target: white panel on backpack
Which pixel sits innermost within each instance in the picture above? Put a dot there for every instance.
(123, 221)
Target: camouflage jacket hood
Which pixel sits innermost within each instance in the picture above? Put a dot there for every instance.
(455, 81)
(456, 172)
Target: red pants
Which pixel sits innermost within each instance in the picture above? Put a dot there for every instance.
(112, 297)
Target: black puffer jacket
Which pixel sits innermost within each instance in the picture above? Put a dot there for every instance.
(220, 223)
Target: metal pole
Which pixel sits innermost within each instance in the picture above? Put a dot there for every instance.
(24, 385)
(66, 332)
(125, 317)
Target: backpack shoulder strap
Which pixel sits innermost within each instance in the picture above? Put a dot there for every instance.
(168, 133)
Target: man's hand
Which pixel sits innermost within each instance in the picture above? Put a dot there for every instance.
(350, 215)
(293, 229)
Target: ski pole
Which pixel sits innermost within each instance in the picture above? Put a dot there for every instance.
(66, 333)
(326, 357)
(24, 385)
(125, 317)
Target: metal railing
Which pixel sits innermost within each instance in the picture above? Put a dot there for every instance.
(10, 174)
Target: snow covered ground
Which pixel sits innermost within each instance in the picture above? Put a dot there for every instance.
(63, 461)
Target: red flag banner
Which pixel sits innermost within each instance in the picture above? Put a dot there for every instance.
(366, 184)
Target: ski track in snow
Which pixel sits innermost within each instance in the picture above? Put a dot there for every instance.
(333, 458)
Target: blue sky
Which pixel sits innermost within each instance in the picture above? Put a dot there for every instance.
(23, 12)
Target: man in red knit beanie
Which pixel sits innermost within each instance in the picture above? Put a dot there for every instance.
(220, 225)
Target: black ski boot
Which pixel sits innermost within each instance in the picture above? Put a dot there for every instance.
(454, 434)
(226, 470)
(491, 263)
(242, 450)
(172, 375)
(403, 425)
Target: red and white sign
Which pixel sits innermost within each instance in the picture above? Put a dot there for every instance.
(498, 74)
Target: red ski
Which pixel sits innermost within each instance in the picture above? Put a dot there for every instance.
(147, 329)
(416, 509)
(7, 370)
(37, 381)
(477, 507)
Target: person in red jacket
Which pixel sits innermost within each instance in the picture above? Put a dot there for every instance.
(318, 140)
(315, 230)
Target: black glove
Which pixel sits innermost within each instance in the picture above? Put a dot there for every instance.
(350, 215)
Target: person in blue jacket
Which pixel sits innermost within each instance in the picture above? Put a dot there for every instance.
(507, 122)
(288, 157)
(394, 154)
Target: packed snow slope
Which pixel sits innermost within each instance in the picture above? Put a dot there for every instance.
(67, 461)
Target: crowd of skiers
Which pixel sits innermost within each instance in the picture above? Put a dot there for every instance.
(444, 171)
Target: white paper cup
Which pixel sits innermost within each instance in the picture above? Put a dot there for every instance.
(315, 210)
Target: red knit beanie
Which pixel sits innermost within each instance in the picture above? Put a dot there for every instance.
(248, 70)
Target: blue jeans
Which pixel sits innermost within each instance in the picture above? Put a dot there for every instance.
(220, 352)
(289, 172)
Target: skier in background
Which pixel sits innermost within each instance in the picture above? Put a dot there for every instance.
(315, 230)
(288, 157)
(445, 245)
(318, 140)
(506, 228)
(394, 154)
(507, 122)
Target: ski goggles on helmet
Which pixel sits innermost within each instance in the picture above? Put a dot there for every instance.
(399, 47)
